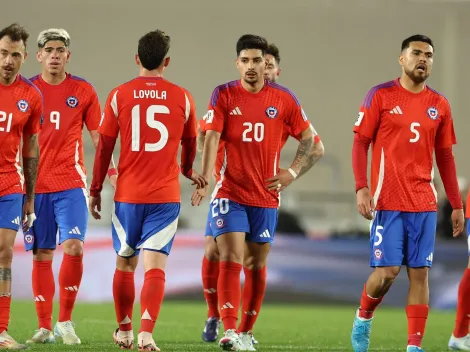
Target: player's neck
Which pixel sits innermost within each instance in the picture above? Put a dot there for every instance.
(8, 82)
(150, 73)
(53, 79)
(253, 88)
(407, 83)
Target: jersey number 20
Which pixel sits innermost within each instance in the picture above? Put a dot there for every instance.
(150, 114)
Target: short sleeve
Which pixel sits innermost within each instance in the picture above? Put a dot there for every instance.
(368, 119)
(93, 112)
(445, 136)
(190, 127)
(109, 125)
(297, 121)
(35, 120)
(216, 112)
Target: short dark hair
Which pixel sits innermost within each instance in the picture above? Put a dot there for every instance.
(153, 48)
(274, 51)
(416, 38)
(251, 41)
(16, 33)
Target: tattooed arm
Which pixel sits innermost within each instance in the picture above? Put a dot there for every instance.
(318, 150)
(303, 151)
(30, 162)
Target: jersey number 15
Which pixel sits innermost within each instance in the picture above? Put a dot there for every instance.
(150, 114)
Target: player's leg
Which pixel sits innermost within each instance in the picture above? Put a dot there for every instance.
(387, 240)
(10, 220)
(460, 339)
(421, 229)
(210, 276)
(127, 222)
(71, 215)
(263, 223)
(41, 240)
(160, 224)
(229, 223)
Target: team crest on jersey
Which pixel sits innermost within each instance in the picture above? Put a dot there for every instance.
(29, 239)
(271, 112)
(23, 105)
(433, 113)
(72, 101)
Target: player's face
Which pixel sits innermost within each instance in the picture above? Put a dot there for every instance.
(12, 56)
(417, 61)
(273, 70)
(53, 57)
(251, 64)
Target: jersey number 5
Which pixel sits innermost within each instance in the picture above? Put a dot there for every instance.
(150, 114)
(413, 130)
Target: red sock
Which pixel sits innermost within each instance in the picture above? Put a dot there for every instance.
(151, 298)
(253, 295)
(417, 315)
(70, 276)
(368, 305)
(124, 296)
(210, 276)
(229, 293)
(5, 303)
(463, 306)
(43, 290)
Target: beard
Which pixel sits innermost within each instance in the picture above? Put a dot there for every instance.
(417, 77)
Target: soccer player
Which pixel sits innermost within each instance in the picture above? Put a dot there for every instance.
(21, 109)
(153, 116)
(250, 113)
(460, 338)
(407, 122)
(210, 262)
(61, 199)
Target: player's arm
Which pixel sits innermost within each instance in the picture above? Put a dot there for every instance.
(365, 129)
(317, 152)
(189, 144)
(445, 139)
(92, 122)
(30, 154)
(108, 133)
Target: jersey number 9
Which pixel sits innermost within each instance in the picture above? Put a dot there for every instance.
(150, 114)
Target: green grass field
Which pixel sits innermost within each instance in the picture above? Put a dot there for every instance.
(279, 328)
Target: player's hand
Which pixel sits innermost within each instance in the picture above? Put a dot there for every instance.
(365, 203)
(198, 195)
(198, 180)
(458, 221)
(113, 181)
(279, 182)
(95, 203)
(28, 214)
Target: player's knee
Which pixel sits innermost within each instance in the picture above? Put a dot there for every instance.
(6, 253)
(418, 276)
(126, 264)
(253, 263)
(211, 251)
(388, 274)
(73, 247)
(41, 254)
(231, 256)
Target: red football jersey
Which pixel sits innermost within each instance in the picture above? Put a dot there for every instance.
(21, 108)
(152, 115)
(67, 106)
(252, 126)
(405, 128)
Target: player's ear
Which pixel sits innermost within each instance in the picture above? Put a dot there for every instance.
(401, 60)
(137, 60)
(278, 72)
(25, 55)
(68, 57)
(166, 61)
(38, 56)
(237, 62)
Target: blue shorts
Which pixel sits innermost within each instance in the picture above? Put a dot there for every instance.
(208, 224)
(144, 226)
(400, 238)
(259, 224)
(11, 211)
(65, 211)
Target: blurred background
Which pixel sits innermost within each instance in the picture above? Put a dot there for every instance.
(333, 52)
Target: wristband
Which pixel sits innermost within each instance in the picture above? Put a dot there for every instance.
(292, 172)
